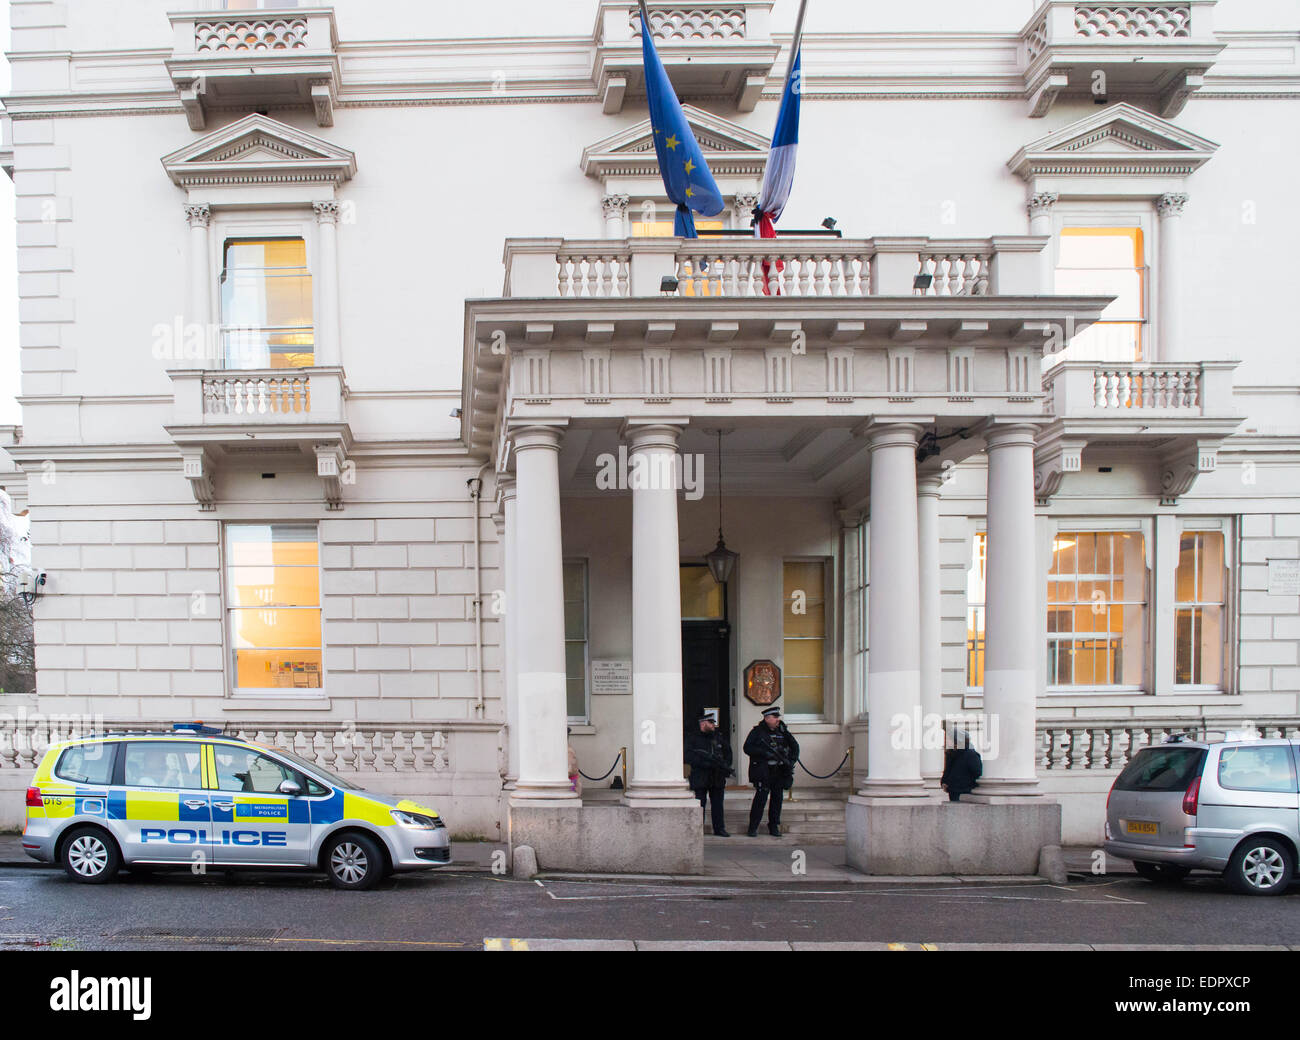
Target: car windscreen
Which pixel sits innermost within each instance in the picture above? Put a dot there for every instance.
(1168, 768)
(313, 768)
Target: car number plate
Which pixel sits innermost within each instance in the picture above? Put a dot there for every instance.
(1143, 827)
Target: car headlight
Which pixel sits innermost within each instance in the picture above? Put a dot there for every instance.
(421, 823)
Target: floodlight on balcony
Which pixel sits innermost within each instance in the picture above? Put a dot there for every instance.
(829, 223)
(668, 285)
(922, 282)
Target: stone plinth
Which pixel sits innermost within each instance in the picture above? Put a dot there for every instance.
(925, 838)
(611, 838)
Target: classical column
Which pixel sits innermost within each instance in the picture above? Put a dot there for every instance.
(656, 618)
(509, 533)
(1170, 345)
(199, 217)
(928, 489)
(615, 209)
(894, 729)
(327, 285)
(1011, 597)
(538, 606)
(1040, 223)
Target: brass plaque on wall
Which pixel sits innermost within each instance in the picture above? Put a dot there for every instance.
(762, 682)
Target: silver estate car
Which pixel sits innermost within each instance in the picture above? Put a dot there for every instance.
(1230, 807)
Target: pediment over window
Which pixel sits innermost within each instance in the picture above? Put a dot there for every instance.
(735, 154)
(259, 150)
(1119, 141)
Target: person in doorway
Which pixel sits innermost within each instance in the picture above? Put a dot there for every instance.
(709, 757)
(962, 767)
(772, 752)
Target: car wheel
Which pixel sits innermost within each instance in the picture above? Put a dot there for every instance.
(1260, 867)
(354, 861)
(90, 856)
(1166, 873)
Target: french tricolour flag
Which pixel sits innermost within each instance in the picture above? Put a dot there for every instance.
(779, 175)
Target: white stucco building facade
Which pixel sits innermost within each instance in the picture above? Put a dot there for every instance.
(335, 319)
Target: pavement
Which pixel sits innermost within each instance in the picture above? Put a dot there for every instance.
(735, 859)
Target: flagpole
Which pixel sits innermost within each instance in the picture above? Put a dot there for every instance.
(794, 43)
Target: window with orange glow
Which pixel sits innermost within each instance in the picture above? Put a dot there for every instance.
(1097, 609)
(975, 613)
(1105, 261)
(266, 304)
(273, 606)
(803, 674)
(1200, 591)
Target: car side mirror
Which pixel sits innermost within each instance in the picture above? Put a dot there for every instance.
(289, 787)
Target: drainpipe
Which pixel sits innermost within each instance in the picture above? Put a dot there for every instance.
(475, 484)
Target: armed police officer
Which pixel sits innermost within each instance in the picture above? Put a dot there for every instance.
(709, 757)
(772, 752)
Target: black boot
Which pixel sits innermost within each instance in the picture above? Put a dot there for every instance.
(774, 830)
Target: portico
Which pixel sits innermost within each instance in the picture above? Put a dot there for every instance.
(855, 401)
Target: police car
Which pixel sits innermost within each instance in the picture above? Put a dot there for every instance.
(193, 796)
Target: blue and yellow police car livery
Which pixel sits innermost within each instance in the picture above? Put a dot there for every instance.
(195, 797)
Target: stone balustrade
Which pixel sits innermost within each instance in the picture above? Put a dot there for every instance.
(787, 266)
(208, 397)
(1103, 744)
(347, 747)
(261, 396)
(341, 747)
(1117, 389)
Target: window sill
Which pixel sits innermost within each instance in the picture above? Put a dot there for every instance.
(813, 726)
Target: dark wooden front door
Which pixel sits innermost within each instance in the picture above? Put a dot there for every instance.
(705, 674)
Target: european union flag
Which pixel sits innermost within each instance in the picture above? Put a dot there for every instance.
(687, 179)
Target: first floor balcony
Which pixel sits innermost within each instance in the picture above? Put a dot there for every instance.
(223, 414)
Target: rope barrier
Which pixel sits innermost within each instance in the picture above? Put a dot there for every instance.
(828, 775)
(597, 779)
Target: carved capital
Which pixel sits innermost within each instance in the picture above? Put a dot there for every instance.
(613, 206)
(326, 212)
(746, 201)
(198, 214)
(1041, 202)
(1171, 203)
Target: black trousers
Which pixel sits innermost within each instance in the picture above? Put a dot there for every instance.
(774, 808)
(714, 795)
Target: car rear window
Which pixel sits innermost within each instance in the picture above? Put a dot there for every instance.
(1161, 769)
(87, 763)
(1265, 768)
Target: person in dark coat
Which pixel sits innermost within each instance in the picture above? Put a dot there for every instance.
(709, 757)
(962, 768)
(772, 752)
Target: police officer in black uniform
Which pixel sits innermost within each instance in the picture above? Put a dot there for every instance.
(772, 752)
(709, 757)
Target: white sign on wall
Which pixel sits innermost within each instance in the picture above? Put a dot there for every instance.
(611, 676)
(1284, 577)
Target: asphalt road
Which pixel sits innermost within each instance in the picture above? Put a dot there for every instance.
(42, 909)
